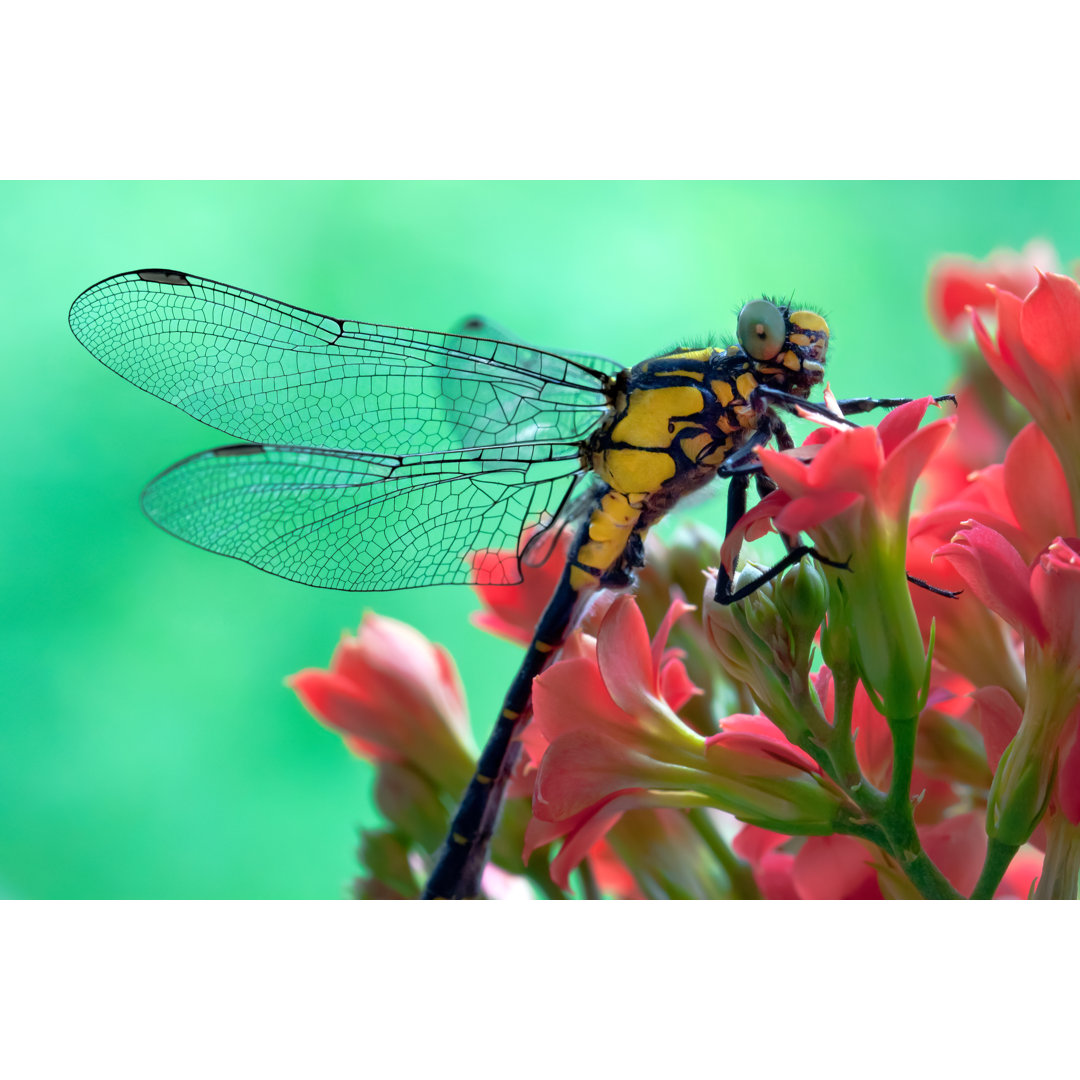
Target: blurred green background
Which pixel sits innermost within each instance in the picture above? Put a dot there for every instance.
(148, 747)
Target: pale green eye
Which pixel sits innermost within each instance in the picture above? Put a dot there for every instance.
(761, 329)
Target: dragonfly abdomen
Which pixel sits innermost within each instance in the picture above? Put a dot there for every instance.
(464, 854)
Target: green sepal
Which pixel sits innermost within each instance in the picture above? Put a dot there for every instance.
(1025, 803)
(924, 693)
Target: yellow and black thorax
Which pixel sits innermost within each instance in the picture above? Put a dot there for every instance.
(676, 418)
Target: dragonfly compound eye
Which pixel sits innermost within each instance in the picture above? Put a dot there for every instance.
(762, 329)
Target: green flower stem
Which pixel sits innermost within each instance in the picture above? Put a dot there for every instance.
(998, 857)
(841, 745)
(898, 823)
(743, 885)
(928, 879)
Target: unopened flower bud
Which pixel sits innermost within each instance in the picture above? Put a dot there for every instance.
(758, 647)
(409, 802)
(1018, 796)
(837, 637)
(726, 627)
(768, 782)
(763, 618)
(802, 595)
(389, 875)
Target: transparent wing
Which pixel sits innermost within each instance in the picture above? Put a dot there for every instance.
(361, 521)
(267, 372)
(478, 326)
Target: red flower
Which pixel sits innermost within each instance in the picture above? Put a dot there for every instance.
(1026, 499)
(858, 482)
(614, 743)
(853, 498)
(512, 611)
(603, 714)
(823, 867)
(396, 697)
(957, 282)
(749, 741)
(977, 440)
(1037, 358)
(1028, 514)
(1041, 601)
(582, 832)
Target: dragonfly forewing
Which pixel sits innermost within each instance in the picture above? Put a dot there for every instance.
(268, 372)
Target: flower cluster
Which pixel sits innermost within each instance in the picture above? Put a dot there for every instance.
(897, 719)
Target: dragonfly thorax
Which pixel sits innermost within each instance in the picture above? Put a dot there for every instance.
(675, 419)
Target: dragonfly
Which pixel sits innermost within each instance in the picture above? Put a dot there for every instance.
(377, 457)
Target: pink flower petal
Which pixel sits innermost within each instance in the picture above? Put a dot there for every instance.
(676, 610)
(957, 847)
(499, 627)
(755, 523)
(833, 868)
(851, 461)
(873, 740)
(752, 843)
(539, 833)
(791, 474)
(1007, 358)
(775, 876)
(1055, 586)
(997, 718)
(906, 462)
(1037, 490)
(1050, 324)
(591, 828)
(582, 768)
(572, 695)
(901, 423)
(757, 736)
(994, 571)
(675, 684)
(624, 653)
(809, 511)
(336, 702)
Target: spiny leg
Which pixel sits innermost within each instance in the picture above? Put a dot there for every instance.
(790, 559)
(800, 406)
(736, 507)
(792, 403)
(849, 406)
(933, 588)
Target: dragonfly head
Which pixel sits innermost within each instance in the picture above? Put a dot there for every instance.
(787, 347)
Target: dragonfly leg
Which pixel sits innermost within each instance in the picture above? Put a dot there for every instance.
(848, 406)
(933, 588)
(792, 403)
(724, 595)
(739, 473)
